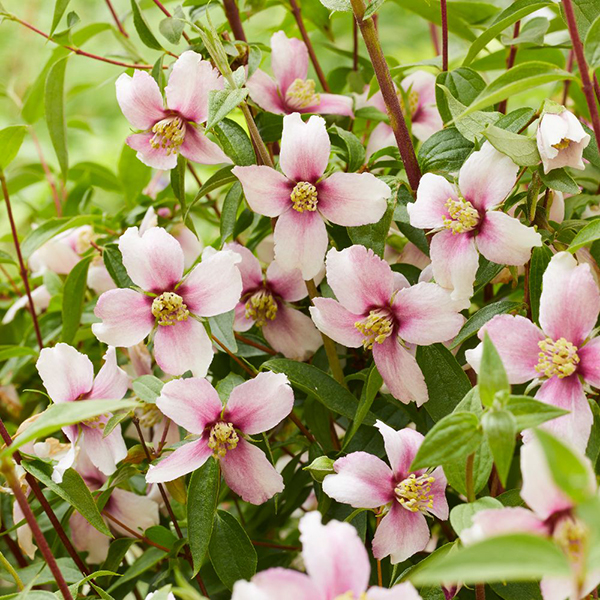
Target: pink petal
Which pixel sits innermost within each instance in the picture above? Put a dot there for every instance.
(126, 317)
(192, 403)
(260, 404)
(154, 261)
(570, 299)
(264, 91)
(241, 322)
(559, 588)
(335, 556)
(248, 472)
(429, 211)
(381, 137)
(401, 591)
(440, 507)
(336, 322)
(589, 367)
(137, 512)
(199, 149)
(190, 244)
(104, 452)
(301, 242)
(305, 148)
(24, 533)
(426, 314)
(157, 158)
(289, 59)
(184, 460)
(423, 83)
(140, 100)
(66, 373)
(183, 347)
(426, 121)
(266, 190)
(288, 285)
(361, 480)
(189, 85)
(331, 104)
(88, 539)
(352, 199)
(249, 267)
(112, 382)
(401, 448)
(400, 534)
(277, 583)
(487, 177)
(503, 521)
(400, 371)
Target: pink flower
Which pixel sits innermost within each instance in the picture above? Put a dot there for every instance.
(291, 91)
(253, 407)
(378, 309)
(337, 566)
(155, 263)
(302, 198)
(41, 300)
(561, 141)
(264, 303)
(68, 376)
(561, 353)
(466, 223)
(422, 110)
(167, 131)
(365, 481)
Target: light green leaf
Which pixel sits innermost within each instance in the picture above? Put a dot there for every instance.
(5, 257)
(172, 28)
(500, 428)
(143, 29)
(540, 259)
(321, 467)
(492, 375)
(592, 45)
(219, 179)
(73, 296)
(133, 173)
(59, 10)
(521, 149)
(337, 5)
(7, 352)
(147, 388)
(151, 557)
(590, 233)
(54, 102)
(461, 516)
(221, 326)
(559, 179)
(11, 139)
(530, 413)
(221, 103)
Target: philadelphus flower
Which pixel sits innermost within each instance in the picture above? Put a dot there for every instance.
(253, 407)
(378, 309)
(302, 197)
(165, 132)
(291, 91)
(155, 263)
(68, 376)
(337, 566)
(265, 301)
(561, 141)
(365, 481)
(562, 352)
(466, 223)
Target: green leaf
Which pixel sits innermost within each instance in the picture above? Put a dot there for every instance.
(374, 236)
(445, 150)
(321, 467)
(521, 149)
(7, 352)
(146, 561)
(492, 375)
(355, 151)
(54, 102)
(229, 211)
(540, 259)
(590, 233)
(113, 421)
(59, 11)
(221, 103)
(133, 173)
(113, 261)
(147, 388)
(235, 142)
(461, 516)
(73, 296)
(463, 83)
(172, 27)
(559, 179)
(221, 327)
(231, 552)
(5, 257)
(592, 45)
(530, 413)
(11, 139)
(586, 12)
(219, 179)
(142, 28)
(500, 428)
(337, 5)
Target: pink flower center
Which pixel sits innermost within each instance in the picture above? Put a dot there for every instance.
(375, 328)
(261, 307)
(558, 358)
(413, 102)
(222, 437)
(304, 197)
(168, 135)
(169, 308)
(414, 493)
(463, 216)
(301, 94)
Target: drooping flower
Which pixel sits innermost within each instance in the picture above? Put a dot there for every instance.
(41, 300)
(561, 353)
(291, 91)
(265, 302)
(405, 497)
(253, 407)
(176, 128)
(68, 376)
(466, 223)
(302, 198)
(337, 566)
(378, 309)
(155, 263)
(561, 141)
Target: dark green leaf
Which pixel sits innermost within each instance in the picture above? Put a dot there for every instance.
(113, 261)
(143, 29)
(229, 211)
(54, 102)
(445, 150)
(531, 413)
(221, 326)
(374, 236)
(559, 179)
(73, 296)
(355, 151)
(151, 557)
(492, 375)
(590, 233)
(500, 428)
(540, 259)
(463, 83)
(592, 45)
(235, 142)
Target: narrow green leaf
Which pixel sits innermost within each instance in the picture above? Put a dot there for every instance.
(530, 413)
(133, 174)
(559, 179)
(5, 257)
(521, 149)
(492, 375)
(500, 428)
(221, 326)
(220, 178)
(151, 557)
(355, 151)
(7, 352)
(73, 295)
(229, 211)
(59, 10)
(373, 236)
(54, 102)
(113, 261)
(590, 233)
(143, 29)
(592, 45)
(221, 103)
(11, 139)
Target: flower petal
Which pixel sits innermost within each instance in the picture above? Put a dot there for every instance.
(249, 267)
(156, 158)
(140, 100)
(331, 104)
(336, 322)
(440, 507)
(264, 91)
(184, 460)
(104, 452)
(502, 521)
(277, 583)
(266, 190)
(429, 210)
(381, 137)
(289, 59)
(288, 285)
(112, 382)
(401, 448)
(401, 591)
(589, 367)
(199, 149)
(137, 512)
(88, 539)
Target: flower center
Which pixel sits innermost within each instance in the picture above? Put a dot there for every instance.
(222, 438)
(413, 102)
(463, 215)
(97, 422)
(414, 493)
(304, 197)
(169, 308)
(564, 143)
(168, 134)
(350, 596)
(84, 239)
(301, 94)
(150, 415)
(571, 536)
(375, 328)
(261, 307)
(557, 358)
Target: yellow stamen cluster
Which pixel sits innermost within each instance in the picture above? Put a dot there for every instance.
(375, 328)
(571, 536)
(463, 216)
(149, 415)
(84, 239)
(261, 307)
(169, 308)
(564, 143)
(301, 93)
(304, 197)
(97, 422)
(222, 437)
(557, 358)
(350, 596)
(414, 493)
(413, 102)
(168, 134)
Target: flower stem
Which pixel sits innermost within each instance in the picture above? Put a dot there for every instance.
(134, 533)
(276, 546)
(116, 19)
(232, 13)
(444, 18)
(259, 145)
(254, 344)
(300, 425)
(469, 478)
(6, 564)
(510, 61)
(434, 38)
(379, 572)
(234, 357)
(480, 591)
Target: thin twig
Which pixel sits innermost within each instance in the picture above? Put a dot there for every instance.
(234, 357)
(235, 22)
(14, 286)
(276, 546)
(510, 61)
(469, 483)
(13, 547)
(134, 533)
(444, 19)
(254, 344)
(354, 45)
(434, 38)
(116, 19)
(300, 425)
(259, 145)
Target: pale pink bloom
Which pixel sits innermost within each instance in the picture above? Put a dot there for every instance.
(422, 110)
(165, 301)
(561, 352)
(165, 132)
(557, 208)
(291, 91)
(337, 566)
(466, 223)
(253, 407)
(192, 247)
(265, 302)
(98, 277)
(377, 308)
(170, 595)
(41, 300)
(411, 255)
(364, 481)
(301, 197)
(61, 253)
(561, 141)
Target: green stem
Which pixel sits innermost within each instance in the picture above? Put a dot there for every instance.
(469, 478)
(6, 564)
(259, 145)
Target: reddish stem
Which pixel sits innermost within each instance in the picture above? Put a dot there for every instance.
(235, 22)
(168, 14)
(134, 533)
(249, 342)
(13, 547)
(276, 546)
(434, 38)
(444, 15)
(354, 45)
(116, 19)
(510, 61)
(300, 425)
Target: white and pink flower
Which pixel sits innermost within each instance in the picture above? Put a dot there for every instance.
(301, 197)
